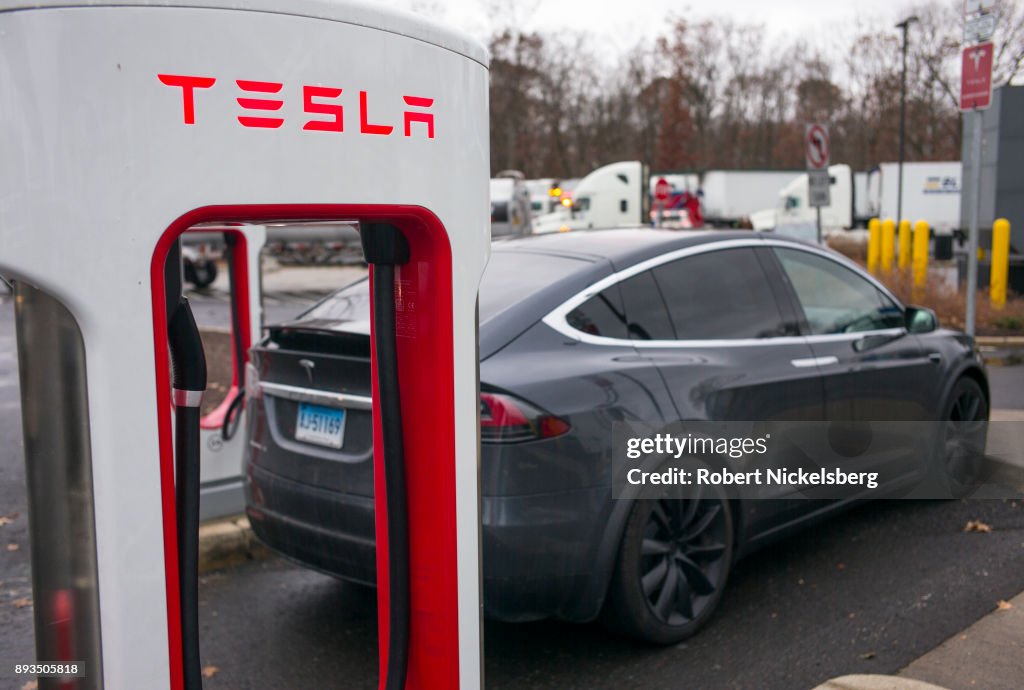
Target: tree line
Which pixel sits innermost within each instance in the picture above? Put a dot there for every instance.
(720, 93)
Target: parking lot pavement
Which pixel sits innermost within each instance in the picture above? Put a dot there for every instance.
(1007, 387)
(867, 592)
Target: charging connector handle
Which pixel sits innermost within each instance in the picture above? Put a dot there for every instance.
(188, 364)
(384, 246)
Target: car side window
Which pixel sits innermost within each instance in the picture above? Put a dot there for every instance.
(632, 309)
(602, 314)
(834, 298)
(646, 315)
(718, 295)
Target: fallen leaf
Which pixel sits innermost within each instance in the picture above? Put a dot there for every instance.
(22, 603)
(4, 520)
(210, 671)
(867, 655)
(977, 526)
(1003, 605)
(31, 685)
(840, 566)
(13, 547)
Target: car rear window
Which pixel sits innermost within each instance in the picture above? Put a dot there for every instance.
(510, 277)
(351, 303)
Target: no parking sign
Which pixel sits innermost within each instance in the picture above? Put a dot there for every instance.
(816, 149)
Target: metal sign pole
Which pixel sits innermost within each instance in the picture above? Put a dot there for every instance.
(818, 209)
(975, 96)
(972, 236)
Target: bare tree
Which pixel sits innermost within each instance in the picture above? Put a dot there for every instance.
(714, 93)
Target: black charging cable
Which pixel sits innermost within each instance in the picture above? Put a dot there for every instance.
(384, 246)
(188, 373)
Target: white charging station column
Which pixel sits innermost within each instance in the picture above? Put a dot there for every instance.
(123, 124)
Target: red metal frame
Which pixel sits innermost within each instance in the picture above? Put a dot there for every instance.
(426, 366)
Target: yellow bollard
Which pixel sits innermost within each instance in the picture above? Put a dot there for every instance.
(1000, 263)
(919, 260)
(888, 244)
(874, 244)
(904, 244)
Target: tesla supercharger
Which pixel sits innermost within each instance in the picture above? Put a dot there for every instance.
(122, 126)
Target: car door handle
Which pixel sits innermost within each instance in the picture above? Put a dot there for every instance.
(814, 362)
(877, 340)
(935, 357)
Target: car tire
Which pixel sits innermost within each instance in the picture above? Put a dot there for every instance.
(961, 460)
(204, 272)
(672, 566)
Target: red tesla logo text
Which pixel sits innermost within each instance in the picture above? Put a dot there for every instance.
(259, 102)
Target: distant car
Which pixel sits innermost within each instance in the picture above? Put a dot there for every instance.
(579, 331)
(199, 268)
(511, 211)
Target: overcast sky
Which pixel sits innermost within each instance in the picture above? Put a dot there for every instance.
(623, 23)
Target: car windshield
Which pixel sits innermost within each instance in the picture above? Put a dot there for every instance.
(510, 277)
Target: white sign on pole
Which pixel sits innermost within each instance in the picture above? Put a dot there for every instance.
(818, 188)
(979, 29)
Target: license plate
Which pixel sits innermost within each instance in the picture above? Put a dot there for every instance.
(323, 426)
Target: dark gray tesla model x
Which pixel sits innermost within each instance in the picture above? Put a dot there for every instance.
(579, 331)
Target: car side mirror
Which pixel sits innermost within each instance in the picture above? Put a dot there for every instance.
(920, 320)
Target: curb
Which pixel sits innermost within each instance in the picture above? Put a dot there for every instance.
(989, 654)
(986, 655)
(228, 542)
(1000, 340)
(1001, 350)
(1001, 357)
(875, 682)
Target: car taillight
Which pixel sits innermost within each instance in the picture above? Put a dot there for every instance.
(504, 419)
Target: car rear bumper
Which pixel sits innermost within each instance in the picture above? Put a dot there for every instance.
(327, 530)
(538, 551)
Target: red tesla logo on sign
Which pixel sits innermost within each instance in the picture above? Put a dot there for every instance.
(976, 77)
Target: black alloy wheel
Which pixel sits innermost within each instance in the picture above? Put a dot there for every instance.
(966, 428)
(673, 565)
